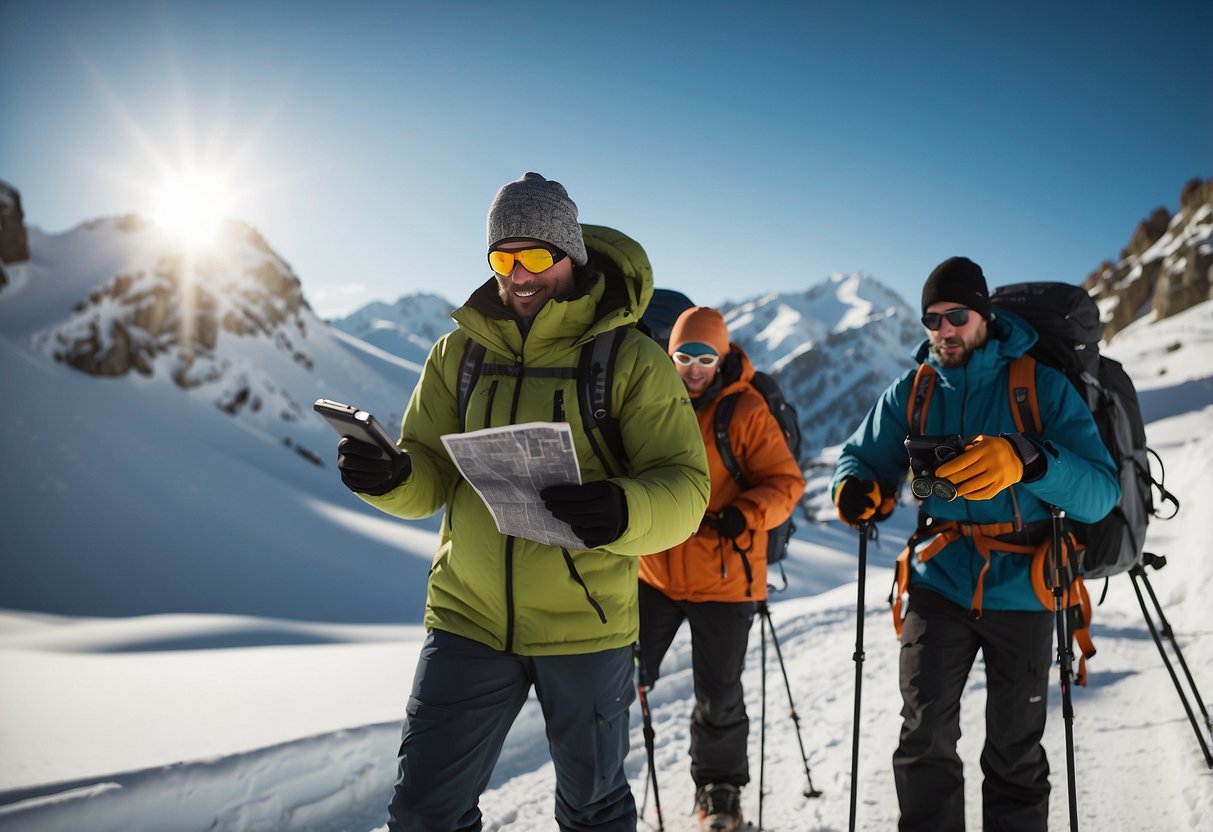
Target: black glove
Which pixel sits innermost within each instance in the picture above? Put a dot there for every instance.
(365, 470)
(857, 500)
(730, 522)
(596, 511)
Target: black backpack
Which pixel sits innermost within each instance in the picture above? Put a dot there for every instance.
(789, 425)
(663, 310)
(1069, 328)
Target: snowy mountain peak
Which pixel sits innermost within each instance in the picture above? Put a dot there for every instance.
(407, 328)
(833, 348)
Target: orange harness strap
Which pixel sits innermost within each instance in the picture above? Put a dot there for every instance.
(984, 537)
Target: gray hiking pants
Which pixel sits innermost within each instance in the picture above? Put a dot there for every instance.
(720, 632)
(939, 643)
(466, 696)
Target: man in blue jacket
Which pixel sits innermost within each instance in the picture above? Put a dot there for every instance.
(969, 564)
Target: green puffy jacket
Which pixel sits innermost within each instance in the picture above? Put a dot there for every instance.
(515, 594)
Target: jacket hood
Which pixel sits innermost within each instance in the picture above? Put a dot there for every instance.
(625, 266)
(736, 371)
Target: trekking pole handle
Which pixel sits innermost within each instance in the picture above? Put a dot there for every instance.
(864, 529)
(1059, 514)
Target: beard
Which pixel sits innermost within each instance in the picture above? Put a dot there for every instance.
(956, 359)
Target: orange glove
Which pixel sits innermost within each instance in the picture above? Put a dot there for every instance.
(857, 500)
(988, 465)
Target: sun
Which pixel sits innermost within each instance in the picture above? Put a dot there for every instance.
(191, 206)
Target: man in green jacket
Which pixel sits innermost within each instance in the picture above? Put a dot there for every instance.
(504, 613)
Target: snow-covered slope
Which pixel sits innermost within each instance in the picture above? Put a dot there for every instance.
(160, 417)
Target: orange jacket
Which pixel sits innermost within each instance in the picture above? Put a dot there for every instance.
(708, 567)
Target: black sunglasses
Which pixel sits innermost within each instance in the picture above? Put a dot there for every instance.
(956, 317)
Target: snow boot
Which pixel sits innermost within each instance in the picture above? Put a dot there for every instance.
(719, 807)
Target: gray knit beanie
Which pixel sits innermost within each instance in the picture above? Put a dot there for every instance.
(538, 209)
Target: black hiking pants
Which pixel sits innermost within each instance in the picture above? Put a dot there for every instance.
(466, 696)
(720, 633)
(939, 643)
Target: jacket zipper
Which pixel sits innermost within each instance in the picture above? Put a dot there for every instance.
(509, 594)
(509, 541)
(964, 407)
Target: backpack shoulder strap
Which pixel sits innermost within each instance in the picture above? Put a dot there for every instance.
(1021, 390)
(469, 372)
(920, 398)
(595, 376)
(720, 428)
(595, 371)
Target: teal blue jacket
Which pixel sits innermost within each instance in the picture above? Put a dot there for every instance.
(1080, 476)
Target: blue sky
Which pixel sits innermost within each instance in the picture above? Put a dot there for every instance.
(749, 147)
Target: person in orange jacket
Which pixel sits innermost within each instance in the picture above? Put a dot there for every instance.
(715, 578)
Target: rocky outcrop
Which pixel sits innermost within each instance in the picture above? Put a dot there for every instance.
(178, 307)
(1186, 278)
(1166, 267)
(14, 240)
(232, 320)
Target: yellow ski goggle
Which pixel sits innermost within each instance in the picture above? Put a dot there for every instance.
(534, 260)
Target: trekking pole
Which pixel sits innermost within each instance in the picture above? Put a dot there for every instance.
(810, 791)
(762, 735)
(647, 717)
(858, 659)
(1158, 562)
(1139, 572)
(1065, 659)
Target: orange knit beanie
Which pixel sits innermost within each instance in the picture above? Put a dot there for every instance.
(702, 325)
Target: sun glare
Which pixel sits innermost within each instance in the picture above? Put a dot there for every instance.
(191, 207)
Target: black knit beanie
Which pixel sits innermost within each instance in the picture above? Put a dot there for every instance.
(959, 280)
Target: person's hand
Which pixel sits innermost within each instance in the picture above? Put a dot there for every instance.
(366, 471)
(730, 522)
(596, 511)
(857, 500)
(988, 465)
